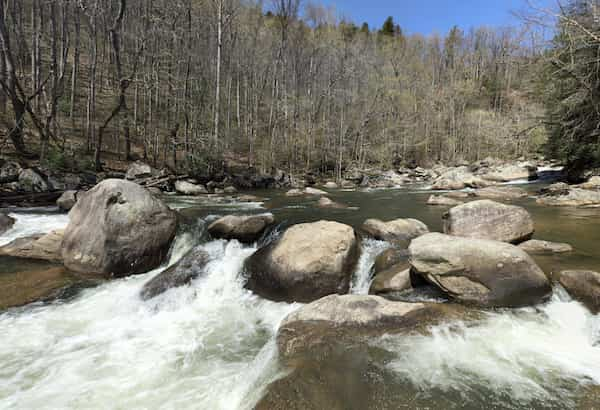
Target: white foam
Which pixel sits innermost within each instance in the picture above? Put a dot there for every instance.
(528, 354)
(362, 276)
(206, 346)
(29, 224)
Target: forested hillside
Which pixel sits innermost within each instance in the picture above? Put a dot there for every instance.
(200, 83)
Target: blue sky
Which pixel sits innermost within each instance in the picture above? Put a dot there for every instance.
(429, 16)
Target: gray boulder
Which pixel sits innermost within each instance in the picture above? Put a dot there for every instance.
(246, 229)
(139, 170)
(398, 231)
(389, 258)
(479, 272)
(487, 219)
(393, 280)
(67, 200)
(537, 247)
(118, 228)
(512, 172)
(583, 286)
(31, 180)
(307, 262)
(187, 188)
(6, 222)
(459, 178)
(9, 172)
(190, 267)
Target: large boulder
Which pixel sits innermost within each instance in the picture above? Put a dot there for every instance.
(319, 326)
(246, 229)
(501, 192)
(118, 228)
(67, 200)
(188, 188)
(138, 170)
(459, 178)
(398, 231)
(487, 219)
(40, 246)
(583, 286)
(537, 247)
(512, 172)
(307, 262)
(191, 266)
(6, 222)
(478, 271)
(572, 197)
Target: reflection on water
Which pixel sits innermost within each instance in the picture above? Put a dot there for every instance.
(211, 345)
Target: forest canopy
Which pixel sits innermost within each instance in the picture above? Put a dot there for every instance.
(202, 83)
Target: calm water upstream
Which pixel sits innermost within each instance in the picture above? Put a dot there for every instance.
(97, 345)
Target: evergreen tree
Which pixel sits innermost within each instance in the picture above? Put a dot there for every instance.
(388, 28)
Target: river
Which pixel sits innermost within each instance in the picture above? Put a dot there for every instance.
(97, 345)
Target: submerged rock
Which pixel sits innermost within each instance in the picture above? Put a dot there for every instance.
(118, 228)
(501, 192)
(535, 246)
(478, 271)
(333, 320)
(307, 262)
(67, 200)
(6, 222)
(398, 231)
(40, 246)
(439, 200)
(583, 286)
(487, 219)
(327, 203)
(190, 267)
(592, 183)
(314, 191)
(22, 288)
(246, 229)
(294, 192)
(187, 188)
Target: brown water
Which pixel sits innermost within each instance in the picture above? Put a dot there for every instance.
(211, 346)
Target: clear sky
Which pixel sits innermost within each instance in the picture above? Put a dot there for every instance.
(429, 16)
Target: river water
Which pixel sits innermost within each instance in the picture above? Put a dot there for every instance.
(97, 345)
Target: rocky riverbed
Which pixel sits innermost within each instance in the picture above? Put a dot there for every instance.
(224, 299)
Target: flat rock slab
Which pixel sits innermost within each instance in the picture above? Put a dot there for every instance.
(537, 247)
(41, 246)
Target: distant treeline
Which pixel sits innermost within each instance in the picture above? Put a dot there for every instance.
(197, 83)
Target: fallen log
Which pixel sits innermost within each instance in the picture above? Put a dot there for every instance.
(30, 199)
